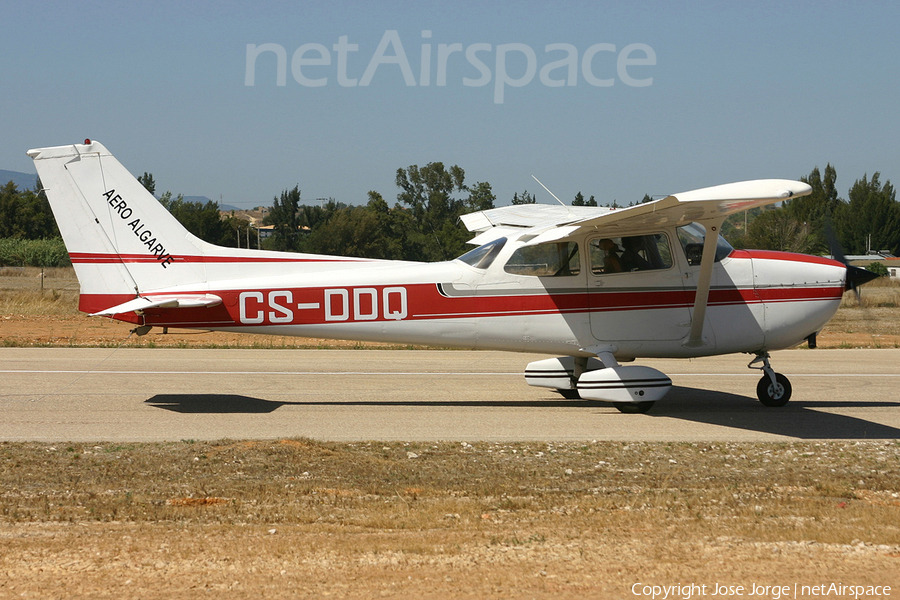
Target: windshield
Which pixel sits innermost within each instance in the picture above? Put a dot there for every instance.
(482, 256)
(692, 237)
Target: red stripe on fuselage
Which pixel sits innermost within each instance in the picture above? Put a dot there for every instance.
(786, 256)
(100, 258)
(418, 302)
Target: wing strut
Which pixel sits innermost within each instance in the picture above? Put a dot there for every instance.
(701, 299)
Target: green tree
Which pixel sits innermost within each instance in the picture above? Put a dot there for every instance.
(871, 217)
(481, 197)
(777, 229)
(350, 231)
(147, 181)
(25, 214)
(579, 199)
(525, 198)
(200, 218)
(817, 209)
(392, 229)
(821, 203)
(240, 231)
(427, 191)
(285, 216)
(591, 201)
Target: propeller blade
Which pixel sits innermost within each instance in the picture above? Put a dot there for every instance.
(857, 276)
(834, 246)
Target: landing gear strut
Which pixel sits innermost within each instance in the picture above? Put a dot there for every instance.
(773, 389)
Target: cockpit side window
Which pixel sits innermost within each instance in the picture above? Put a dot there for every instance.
(558, 259)
(630, 253)
(692, 237)
(482, 256)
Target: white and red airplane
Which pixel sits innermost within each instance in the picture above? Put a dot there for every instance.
(599, 287)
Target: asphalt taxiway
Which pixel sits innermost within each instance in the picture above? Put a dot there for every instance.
(85, 395)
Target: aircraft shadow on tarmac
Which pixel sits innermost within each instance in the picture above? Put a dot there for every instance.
(232, 403)
(213, 403)
(798, 419)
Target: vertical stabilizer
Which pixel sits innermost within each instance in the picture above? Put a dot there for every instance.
(121, 240)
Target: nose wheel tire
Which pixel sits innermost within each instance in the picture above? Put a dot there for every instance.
(776, 394)
(631, 408)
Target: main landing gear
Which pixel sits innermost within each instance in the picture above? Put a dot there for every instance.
(773, 389)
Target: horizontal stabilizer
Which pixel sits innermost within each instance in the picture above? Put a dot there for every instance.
(138, 305)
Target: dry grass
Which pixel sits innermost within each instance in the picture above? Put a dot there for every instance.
(868, 322)
(374, 485)
(32, 291)
(304, 518)
(880, 293)
(34, 303)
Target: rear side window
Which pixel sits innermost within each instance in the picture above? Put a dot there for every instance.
(558, 259)
(630, 253)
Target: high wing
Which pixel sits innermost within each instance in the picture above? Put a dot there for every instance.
(706, 204)
(709, 206)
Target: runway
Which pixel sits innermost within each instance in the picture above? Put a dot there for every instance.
(137, 395)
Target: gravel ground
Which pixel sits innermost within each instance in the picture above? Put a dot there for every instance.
(296, 518)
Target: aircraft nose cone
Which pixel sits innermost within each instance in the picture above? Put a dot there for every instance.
(857, 276)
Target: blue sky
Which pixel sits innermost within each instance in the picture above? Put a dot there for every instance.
(739, 91)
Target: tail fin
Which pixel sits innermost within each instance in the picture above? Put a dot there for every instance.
(121, 240)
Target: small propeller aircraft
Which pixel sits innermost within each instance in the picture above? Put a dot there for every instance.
(596, 286)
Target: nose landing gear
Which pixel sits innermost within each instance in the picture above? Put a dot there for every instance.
(773, 389)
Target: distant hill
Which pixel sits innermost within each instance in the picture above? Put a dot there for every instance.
(200, 199)
(204, 200)
(222, 207)
(23, 181)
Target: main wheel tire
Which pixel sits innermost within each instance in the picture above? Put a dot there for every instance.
(774, 395)
(631, 408)
(569, 394)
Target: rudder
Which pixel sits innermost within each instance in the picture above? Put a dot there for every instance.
(121, 240)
